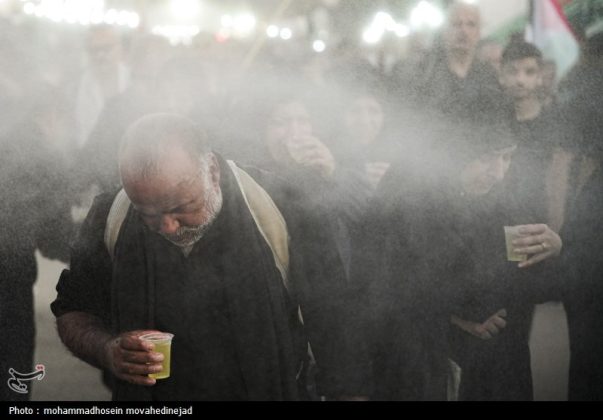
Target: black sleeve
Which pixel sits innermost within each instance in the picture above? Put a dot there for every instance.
(55, 227)
(408, 252)
(327, 307)
(85, 286)
(582, 268)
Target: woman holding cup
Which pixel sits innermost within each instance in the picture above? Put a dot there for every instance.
(442, 293)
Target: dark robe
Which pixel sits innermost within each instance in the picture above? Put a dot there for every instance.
(584, 291)
(538, 139)
(237, 335)
(406, 307)
(499, 368)
(430, 252)
(582, 235)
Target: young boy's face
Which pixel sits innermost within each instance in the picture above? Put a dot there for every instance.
(521, 78)
(480, 175)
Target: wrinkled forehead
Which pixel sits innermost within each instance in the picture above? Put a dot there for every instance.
(161, 193)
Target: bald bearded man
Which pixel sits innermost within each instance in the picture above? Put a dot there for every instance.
(191, 259)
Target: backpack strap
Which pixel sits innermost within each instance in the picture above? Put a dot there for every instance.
(267, 217)
(117, 215)
(272, 226)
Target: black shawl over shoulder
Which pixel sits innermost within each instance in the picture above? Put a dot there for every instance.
(237, 336)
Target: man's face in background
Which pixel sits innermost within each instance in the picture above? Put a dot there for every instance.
(463, 28)
(521, 78)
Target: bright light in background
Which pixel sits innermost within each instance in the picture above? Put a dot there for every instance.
(123, 18)
(29, 8)
(373, 35)
(426, 15)
(134, 20)
(240, 25)
(177, 34)
(111, 16)
(382, 22)
(401, 30)
(244, 24)
(226, 21)
(98, 16)
(319, 46)
(184, 9)
(84, 12)
(286, 33)
(53, 10)
(272, 31)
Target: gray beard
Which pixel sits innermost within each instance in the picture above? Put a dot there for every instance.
(187, 236)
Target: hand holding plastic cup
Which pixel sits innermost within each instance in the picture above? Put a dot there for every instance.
(163, 344)
(512, 233)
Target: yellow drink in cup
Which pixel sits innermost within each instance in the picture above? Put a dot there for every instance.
(512, 233)
(163, 345)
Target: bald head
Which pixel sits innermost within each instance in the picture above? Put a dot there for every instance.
(463, 28)
(160, 143)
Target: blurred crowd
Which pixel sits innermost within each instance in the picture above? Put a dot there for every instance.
(361, 142)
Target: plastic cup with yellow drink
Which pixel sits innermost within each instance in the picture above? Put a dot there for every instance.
(163, 344)
(512, 233)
